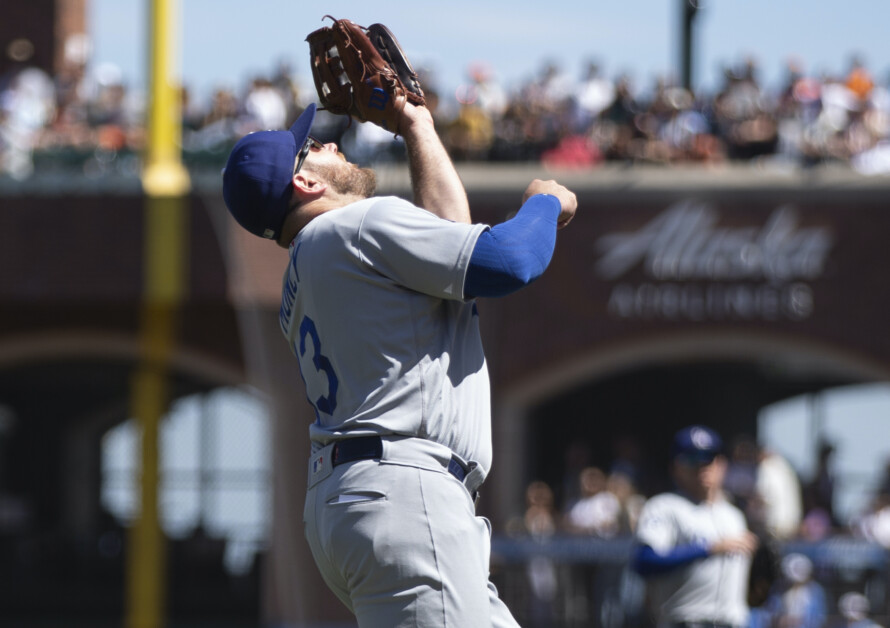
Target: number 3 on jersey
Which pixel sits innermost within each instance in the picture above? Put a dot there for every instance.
(323, 370)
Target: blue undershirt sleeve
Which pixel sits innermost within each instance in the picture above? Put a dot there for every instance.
(516, 252)
(648, 562)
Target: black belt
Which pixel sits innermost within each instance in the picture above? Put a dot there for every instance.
(371, 448)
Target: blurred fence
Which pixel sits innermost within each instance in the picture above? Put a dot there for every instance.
(574, 582)
(555, 582)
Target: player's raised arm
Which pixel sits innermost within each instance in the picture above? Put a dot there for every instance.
(514, 253)
(370, 79)
(568, 202)
(434, 180)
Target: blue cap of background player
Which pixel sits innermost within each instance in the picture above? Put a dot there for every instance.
(696, 445)
(257, 179)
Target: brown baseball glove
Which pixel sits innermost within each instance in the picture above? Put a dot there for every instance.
(363, 73)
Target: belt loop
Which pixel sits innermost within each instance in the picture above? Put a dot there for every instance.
(474, 479)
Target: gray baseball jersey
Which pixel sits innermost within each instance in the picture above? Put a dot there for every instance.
(385, 341)
(713, 589)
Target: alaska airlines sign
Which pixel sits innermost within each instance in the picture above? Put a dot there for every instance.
(685, 265)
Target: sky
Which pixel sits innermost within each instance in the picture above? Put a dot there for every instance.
(224, 42)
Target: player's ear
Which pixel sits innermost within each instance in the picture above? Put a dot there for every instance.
(308, 187)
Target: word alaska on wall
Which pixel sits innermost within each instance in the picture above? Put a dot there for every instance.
(685, 265)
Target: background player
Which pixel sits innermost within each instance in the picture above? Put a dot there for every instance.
(694, 546)
(378, 307)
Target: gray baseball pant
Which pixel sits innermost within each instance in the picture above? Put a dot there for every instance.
(398, 541)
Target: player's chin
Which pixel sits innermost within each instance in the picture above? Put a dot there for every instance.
(358, 181)
(369, 182)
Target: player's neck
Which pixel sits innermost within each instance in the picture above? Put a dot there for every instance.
(700, 494)
(712, 495)
(307, 212)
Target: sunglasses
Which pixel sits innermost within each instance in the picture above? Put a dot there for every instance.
(311, 143)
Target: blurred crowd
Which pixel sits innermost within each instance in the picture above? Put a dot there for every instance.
(91, 117)
(782, 508)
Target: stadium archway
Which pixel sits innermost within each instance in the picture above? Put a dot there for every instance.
(619, 409)
(61, 392)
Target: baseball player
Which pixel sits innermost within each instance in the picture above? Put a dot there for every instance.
(694, 547)
(378, 307)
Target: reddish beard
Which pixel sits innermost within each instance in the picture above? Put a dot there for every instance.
(349, 179)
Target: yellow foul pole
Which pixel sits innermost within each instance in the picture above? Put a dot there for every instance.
(166, 184)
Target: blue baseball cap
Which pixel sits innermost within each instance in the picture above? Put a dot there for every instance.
(257, 177)
(696, 444)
